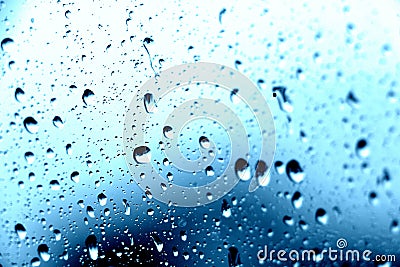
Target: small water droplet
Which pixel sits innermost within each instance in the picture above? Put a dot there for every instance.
(35, 262)
(303, 225)
(362, 149)
(75, 176)
(183, 235)
(150, 212)
(321, 216)
(29, 157)
(234, 96)
(50, 153)
(91, 244)
(57, 234)
(262, 174)
(226, 209)
(6, 42)
(88, 97)
(279, 167)
(142, 154)
(175, 252)
(234, 257)
(204, 142)
(68, 149)
(394, 227)
(157, 241)
(43, 251)
(90, 211)
(20, 230)
(19, 95)
(373, 198)
(297, 200)
(31, 125)
(294, 171)
(168, 133)
(102, 198)
(209, 171)
(150, 103)
(242, 169)
(288, 220)
(57, 121)
(54, 185)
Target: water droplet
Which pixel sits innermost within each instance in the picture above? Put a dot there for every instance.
(234, 257)
(321, 216)
(75, 176)
(43, 251)
(102, 199)
(20, 95)
(6, 42)
(107, 212)
(54, 185)
(31, 177)
(90, 212)
(297, 200)
(183, 235)
(150, 212)
(142, 154)
(57, 121)
(91, 244)
(226, 209)
(57, 234)
(150, 103)
(288, 220)
(209, 171)
(362, 148)
(88, 97)
(242, 169)
(175, 252)
(50, 153)
(279, 167)
(394, 227)
(157, 241)
(20, 230)
(303, 225)
(35, 262)
(294, 171)
(31, 125)
(261, 174)
(209, 196)
(234, 96)
(168, 133)
(166, 162)
(68, 149)
(204, 142)
(373, 198)
(29, 157)
(127, 207)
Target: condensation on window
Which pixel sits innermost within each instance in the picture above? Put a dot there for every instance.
(329, 72)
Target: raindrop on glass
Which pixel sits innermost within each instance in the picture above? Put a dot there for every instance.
(31, 125)
(142, 154)
(242, 170)
(321, 216)
(294, 171)
(149, 103)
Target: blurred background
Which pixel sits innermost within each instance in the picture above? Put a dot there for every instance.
(68, 71)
